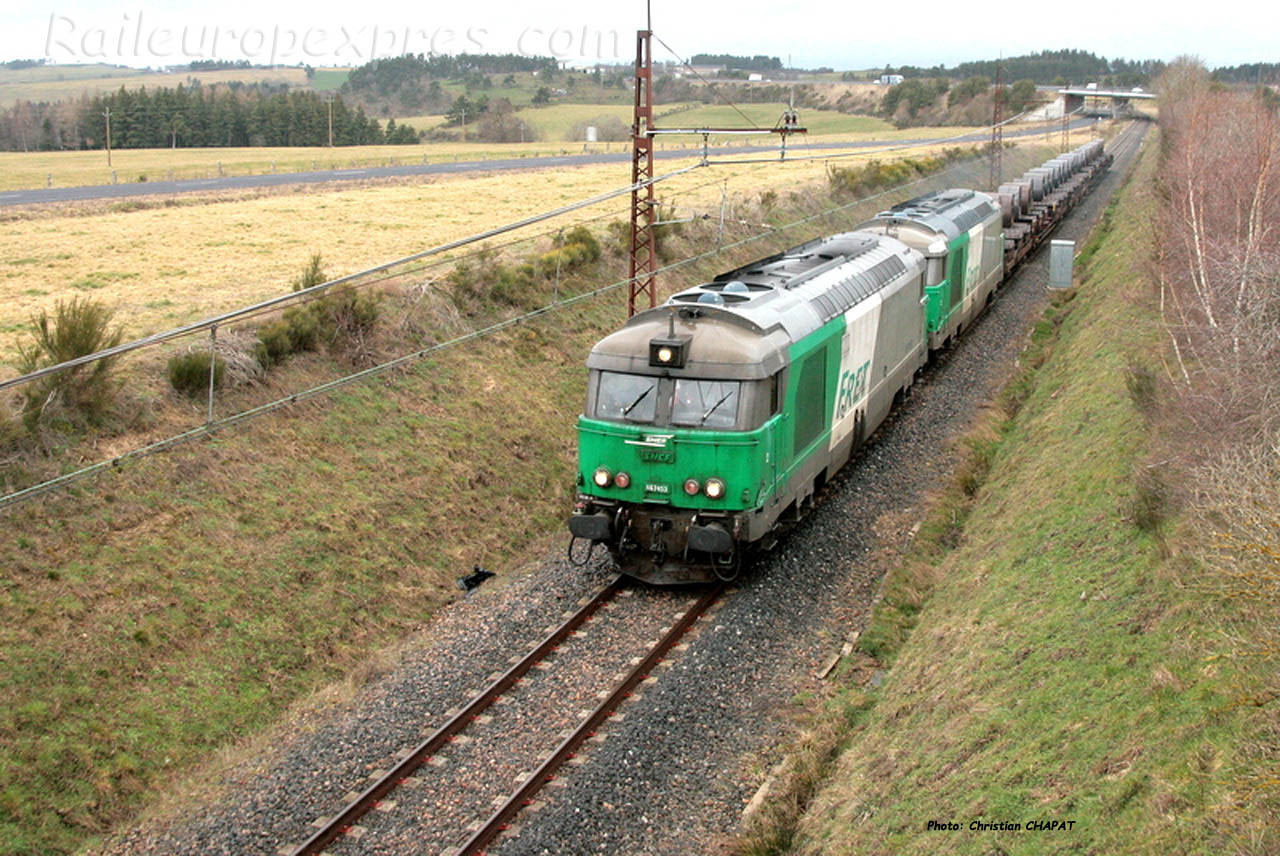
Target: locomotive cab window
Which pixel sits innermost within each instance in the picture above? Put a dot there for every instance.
(705, 403)
(633, 398)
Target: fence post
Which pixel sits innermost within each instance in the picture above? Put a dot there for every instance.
(560, 241)
(213, 364)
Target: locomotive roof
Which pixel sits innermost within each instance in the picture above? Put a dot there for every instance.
(948, 212)
(761, 308)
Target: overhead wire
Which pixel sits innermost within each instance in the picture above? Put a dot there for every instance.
(708, 83)
(303, 294)
(212, 426)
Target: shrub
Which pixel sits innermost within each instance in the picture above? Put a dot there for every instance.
(346, 316)
(189, 372)
(581, 236)
(78, 328)
(340, 318)
(274, 343)
(1141, 383)
(302, 327)
(1151, 503)
(312, 275)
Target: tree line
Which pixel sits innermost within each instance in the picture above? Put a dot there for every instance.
(1259, 73)
(187, 117)
(411, 83)
(746, 63)
(1049, 68)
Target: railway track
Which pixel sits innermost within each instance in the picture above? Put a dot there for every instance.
(332, 830)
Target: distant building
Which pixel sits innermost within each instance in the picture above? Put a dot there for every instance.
(889, 79)
(755, 77)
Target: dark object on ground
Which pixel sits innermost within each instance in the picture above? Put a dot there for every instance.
(474, 579)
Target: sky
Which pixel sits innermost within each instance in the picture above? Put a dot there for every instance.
(841, 35)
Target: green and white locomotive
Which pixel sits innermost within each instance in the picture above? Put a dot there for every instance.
(713, 420)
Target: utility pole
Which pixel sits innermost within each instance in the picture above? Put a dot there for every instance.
(643, 263)
(108, 115)
(330, 121)
(643, 260)
(997, 129)
(1066, 125)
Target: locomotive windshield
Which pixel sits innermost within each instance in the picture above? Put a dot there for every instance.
(627, 396)
(684, 401)
(707, 403)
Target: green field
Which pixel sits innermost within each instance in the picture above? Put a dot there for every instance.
(555, 122)
(329, 79)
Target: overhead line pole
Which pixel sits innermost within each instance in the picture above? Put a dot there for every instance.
(643, 261)
(643, 256)
(997, 129)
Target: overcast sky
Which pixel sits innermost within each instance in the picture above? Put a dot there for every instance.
(842, 35)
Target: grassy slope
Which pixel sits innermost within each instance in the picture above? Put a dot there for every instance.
(1059, 671)
(192, 595)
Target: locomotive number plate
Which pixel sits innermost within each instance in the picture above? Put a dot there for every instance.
(658, 456)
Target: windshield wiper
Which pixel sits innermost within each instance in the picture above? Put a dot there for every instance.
(639, 398)
(726, 397)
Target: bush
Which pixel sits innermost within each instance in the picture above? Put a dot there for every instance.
(1142, 386)
(302, 327)
(78, 328)
(581, 236)
(345, 317)
(189, 372)
(274, 343)
(521, 284)
(340, 318)
(312, 275)
(1151, 503)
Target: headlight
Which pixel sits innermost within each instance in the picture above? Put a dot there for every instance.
(602, 477)
(691, 487)
(714, 489)
(622, 480)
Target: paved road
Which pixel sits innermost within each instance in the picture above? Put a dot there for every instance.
(248, 182)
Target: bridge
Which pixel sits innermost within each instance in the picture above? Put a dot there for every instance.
(1092, 101)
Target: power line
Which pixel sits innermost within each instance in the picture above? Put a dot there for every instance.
(307, 293)
(212, 426)
(709, 84)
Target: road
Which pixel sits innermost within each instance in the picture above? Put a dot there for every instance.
(252, 182)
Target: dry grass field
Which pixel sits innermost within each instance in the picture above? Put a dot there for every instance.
(27, 170)
(183, 259)
(62, 82)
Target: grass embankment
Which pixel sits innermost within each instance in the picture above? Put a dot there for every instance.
(1047, 661)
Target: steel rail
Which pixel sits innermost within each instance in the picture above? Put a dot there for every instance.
(502, 817)
(343, 820)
